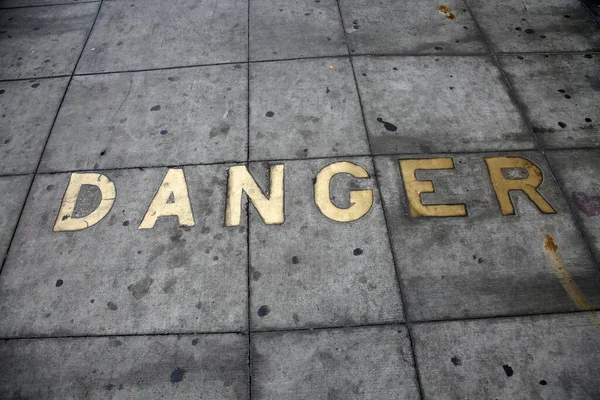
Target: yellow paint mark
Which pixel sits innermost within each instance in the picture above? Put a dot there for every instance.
(447, 12)
(362, 200)
(65, 221)
(560, 270)
(529, 185)
(415, 187)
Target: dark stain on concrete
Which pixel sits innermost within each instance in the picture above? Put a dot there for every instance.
(264, 311)
(140, 289)
(177, 375)
(387, 125)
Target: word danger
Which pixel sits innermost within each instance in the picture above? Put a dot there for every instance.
(172, 197)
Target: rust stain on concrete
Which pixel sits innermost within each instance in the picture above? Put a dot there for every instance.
(560, 270)
(447, 12)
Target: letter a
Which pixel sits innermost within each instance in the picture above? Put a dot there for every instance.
(173, 185)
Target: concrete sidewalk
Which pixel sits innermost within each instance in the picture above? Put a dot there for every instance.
(311, 199)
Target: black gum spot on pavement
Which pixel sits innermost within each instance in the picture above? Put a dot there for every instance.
(562, 124)
(59, 283)
(270, 114)
(529, 31)
(588, 56)
(164, 132)
(388, 126)
(155, 108)
(263, 311)
(588, 120)
(177, 375)
(456, 361)
(112, 306)
(35, 85)
(357, 251)
(543, 382)
(295, 260)
(508, 370)
(195, 342)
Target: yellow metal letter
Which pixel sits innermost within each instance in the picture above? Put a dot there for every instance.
(529, 185)
(65, 221)
(361, 200)
(173, 185)
(415, 187)
(270, 209)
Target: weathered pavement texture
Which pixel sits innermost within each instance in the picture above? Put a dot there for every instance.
(454, 291)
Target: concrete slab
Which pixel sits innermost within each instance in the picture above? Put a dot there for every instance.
(305, 28)
(43, 41)
(29, 3)
(361, 363)
(113, 278)
(13, 190)
(561, 94)
(142, 34)
(546, 357)
(173, 367)
(432, 104)
(578, 174)
(593, 6)
(536, 25)
(155, 118)
(312, 271)
(28, 110)
(305, 108)
(486, 264)
(410, 27)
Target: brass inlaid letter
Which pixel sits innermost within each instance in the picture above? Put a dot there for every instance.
(415, 187)
(362, 200)
(528, 185)
(65, 221)
(172, 185)
(270, 209)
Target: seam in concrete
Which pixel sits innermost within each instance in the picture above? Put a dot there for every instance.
(248, 265)
(515, 99)
(399, 55)
(313, 328)
(49, 5)
(48, 138)
(390, 243)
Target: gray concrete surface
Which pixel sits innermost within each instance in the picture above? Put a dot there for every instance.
(43, 41)
(117, 367)
(486, 264)
(536, 25)
(116, 279)
(344, 275)
(28, 109)
(578, 172)
(546, 357)
(140, 119)
(390, 305)
(332, 364)
(561, 94)
(13, 190)
(304, 28)
(415, 27)
(142, 34)
(315, 110)
(437, 104)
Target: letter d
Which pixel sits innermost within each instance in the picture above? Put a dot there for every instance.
(65, 220)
